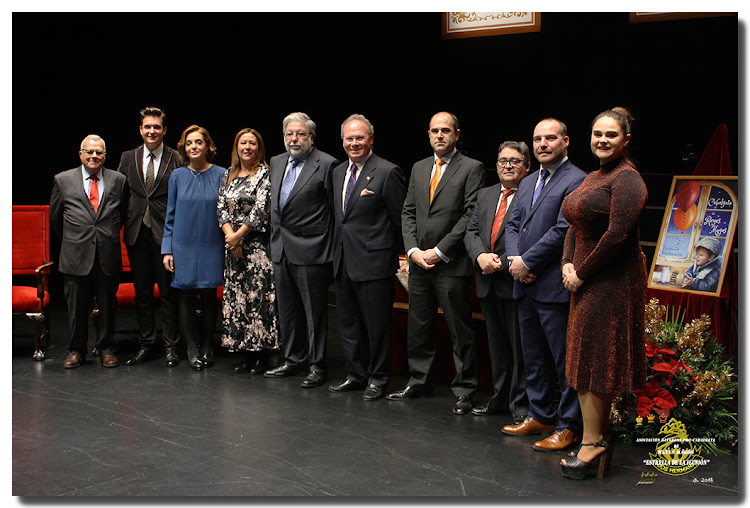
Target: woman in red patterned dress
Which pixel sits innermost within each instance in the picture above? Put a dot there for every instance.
(604, 268)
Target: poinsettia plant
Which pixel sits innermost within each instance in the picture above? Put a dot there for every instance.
(688, 378)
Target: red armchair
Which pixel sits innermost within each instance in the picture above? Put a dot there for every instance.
(31, 257)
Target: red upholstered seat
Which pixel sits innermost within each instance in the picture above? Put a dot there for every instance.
(31, 258)
(25, 299)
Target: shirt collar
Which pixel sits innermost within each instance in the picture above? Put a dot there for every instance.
(87, 175)
(157, 151)
(554, 167)
(446, 158)
(360, 165)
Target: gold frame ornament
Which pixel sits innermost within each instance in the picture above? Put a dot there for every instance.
(459, 25)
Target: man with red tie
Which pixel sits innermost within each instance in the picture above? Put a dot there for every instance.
(87, 209)
(485, 243)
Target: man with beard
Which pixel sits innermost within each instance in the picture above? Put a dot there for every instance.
(302, 248)
(534, 238)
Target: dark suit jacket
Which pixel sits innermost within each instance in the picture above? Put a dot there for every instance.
(304, 231)
(537, 233)
(442, 224)
(477, 241)
(131, 165)
(84, 232)
(369, 232)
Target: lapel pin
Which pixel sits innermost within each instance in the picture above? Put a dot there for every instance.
(368, 178)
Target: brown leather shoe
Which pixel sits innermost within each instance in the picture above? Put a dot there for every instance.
(72, 361)
(559, 440)
(527, 427)
(110, 361)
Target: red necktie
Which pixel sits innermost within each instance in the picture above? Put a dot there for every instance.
(499, 217)
(94, 193)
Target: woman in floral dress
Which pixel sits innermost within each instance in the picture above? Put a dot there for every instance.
(250, 318)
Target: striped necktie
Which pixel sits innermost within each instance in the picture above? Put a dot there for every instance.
(499, 217)
(435, 178)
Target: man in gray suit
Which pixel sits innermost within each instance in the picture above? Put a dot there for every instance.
(87, 209)
(439, 203)
(485, 243)
(368, 193)
(302, 248)
(148, 169)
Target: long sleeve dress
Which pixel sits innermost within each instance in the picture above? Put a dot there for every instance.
(250, 318)
(605, 339)
(190, 231)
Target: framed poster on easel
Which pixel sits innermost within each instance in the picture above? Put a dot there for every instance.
(696, 235)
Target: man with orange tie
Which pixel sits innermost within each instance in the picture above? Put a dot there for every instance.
(439, 203)
(87, 209)
(485, 243)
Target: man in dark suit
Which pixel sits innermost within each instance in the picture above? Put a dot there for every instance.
(147, 169)
(87, 209)
(485, 243)
(534, 239)
(302, 248)
(439, 203)
(368, 193)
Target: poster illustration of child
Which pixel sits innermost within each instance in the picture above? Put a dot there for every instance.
(704, 274)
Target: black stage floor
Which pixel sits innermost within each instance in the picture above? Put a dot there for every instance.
(148, 430)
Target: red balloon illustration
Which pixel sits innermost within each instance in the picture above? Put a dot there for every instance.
(686, 194)
(684, 219)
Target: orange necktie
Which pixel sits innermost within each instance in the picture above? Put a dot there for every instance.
(435, 178)
(499, 217)
(94, 193)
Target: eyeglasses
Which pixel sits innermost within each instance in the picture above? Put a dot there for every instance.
(89, 151)
(513, 162)
(351, 139)
(300, 135)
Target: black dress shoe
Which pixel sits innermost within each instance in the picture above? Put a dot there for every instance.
(243, 366)
(259, 367)
(96, 352)
(140, 357)
(196, 364)
(313, 379)
(346, 386)
(373, 392)
(410, 392)
(463, 406)
(208, 359)
(283, 371)
(171, 359)
(484, 411)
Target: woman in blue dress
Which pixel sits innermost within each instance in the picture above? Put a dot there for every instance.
(193, 245)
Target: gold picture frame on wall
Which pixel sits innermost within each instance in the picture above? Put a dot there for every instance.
(458, 25)
(696, 235)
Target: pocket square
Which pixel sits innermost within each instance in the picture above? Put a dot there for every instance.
(366, 192)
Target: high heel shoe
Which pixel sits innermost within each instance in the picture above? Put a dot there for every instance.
(577, 469)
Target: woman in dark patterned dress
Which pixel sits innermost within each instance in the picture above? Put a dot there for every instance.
(604, 268)
(250, 323)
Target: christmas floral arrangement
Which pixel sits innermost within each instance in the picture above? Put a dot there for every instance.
(688, 378)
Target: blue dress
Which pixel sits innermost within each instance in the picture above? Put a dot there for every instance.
(191, 231)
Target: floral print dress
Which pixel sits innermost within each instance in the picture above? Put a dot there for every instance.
(250, 317)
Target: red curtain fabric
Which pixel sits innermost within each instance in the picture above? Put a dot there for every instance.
(724, 308)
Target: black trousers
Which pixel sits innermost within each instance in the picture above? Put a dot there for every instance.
(302, 296)
(147, 268)
(364, 310)
(80, 291)
(426, 290)
(198, 333)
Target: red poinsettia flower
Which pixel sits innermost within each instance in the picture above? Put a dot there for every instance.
(652, 350)
(653, 397)
(671, 369)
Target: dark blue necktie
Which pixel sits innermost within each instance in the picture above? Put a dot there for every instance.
(539, 187)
